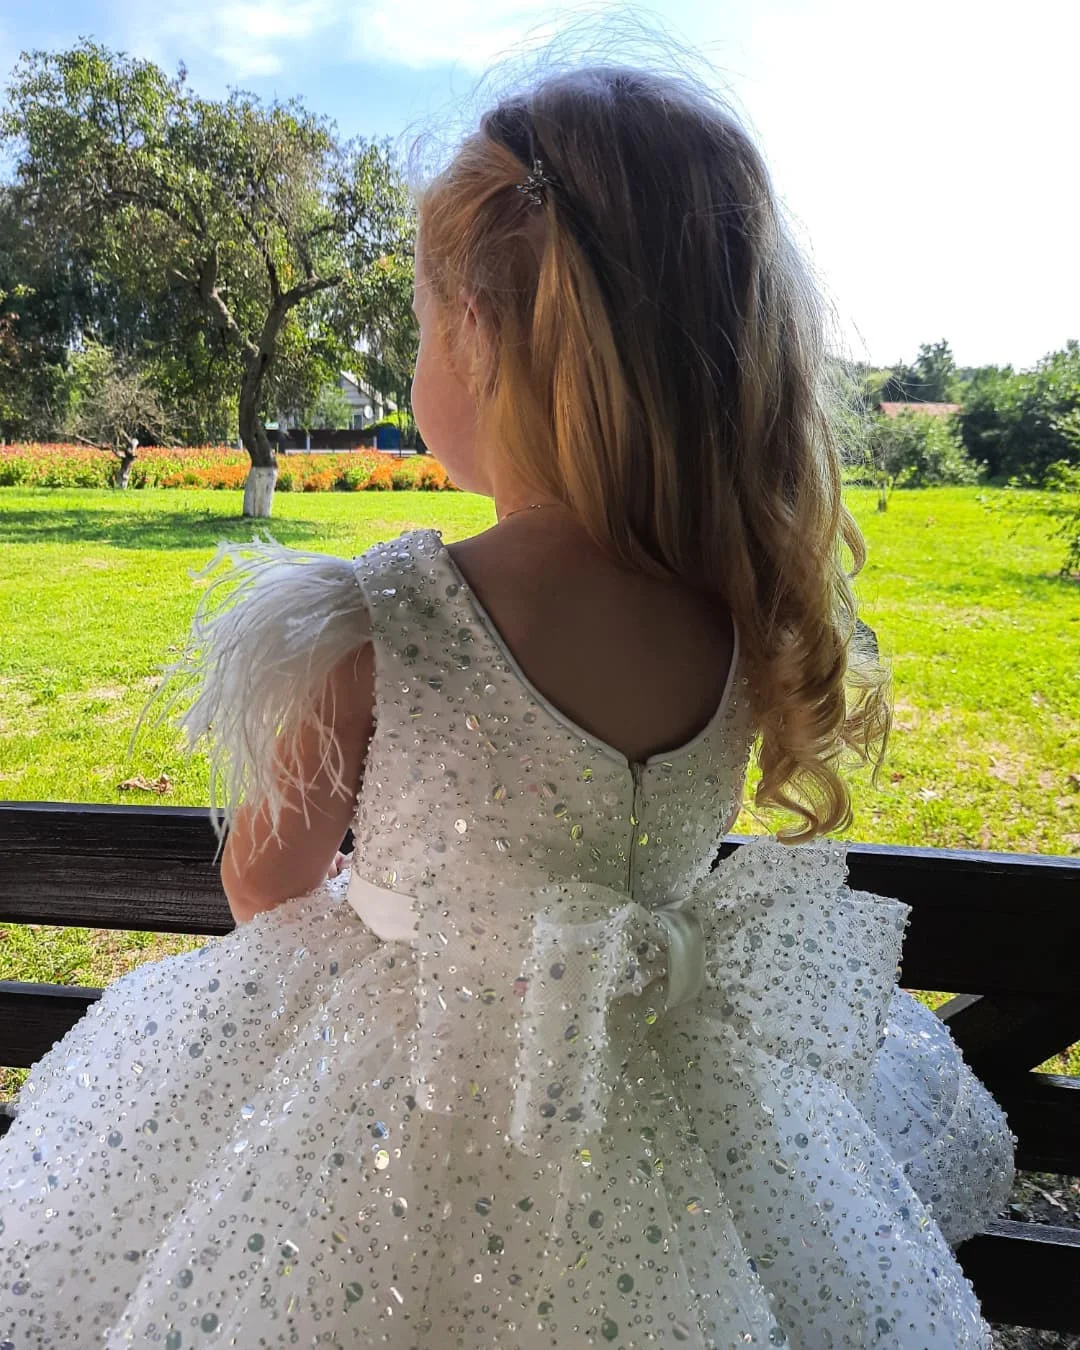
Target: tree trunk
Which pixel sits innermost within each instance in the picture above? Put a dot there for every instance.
(259, 491)
(127, 459)
(123, 472)
(259, 488)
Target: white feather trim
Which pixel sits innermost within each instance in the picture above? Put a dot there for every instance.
(265, 637)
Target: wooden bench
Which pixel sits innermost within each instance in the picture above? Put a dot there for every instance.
(1003, 930)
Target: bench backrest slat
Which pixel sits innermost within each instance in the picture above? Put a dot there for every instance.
(981, 923)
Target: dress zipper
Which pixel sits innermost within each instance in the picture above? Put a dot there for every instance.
(635, 824)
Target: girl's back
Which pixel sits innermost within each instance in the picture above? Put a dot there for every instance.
(641, 663)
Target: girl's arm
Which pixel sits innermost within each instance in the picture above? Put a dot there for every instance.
(261, 868)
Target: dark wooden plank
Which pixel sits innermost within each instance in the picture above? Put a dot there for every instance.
(1026, 1274)
(979, 923)
(1008, 1033)
(150, 869)
(1043, 1111)
(143, 868)
(33, 1017)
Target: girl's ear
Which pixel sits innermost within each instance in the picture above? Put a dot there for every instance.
(472, 339)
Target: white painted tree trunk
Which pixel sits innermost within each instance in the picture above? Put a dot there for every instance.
(259, 491)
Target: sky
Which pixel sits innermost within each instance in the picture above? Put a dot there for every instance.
(925, 153)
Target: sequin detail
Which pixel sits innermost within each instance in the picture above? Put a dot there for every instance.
(239, 1145)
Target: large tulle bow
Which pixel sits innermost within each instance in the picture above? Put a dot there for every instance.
(534, 1002)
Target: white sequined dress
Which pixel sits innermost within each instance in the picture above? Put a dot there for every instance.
(532, 1075)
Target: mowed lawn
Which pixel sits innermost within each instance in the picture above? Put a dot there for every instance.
(96, 594)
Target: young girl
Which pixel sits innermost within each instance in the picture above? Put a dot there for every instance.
(532, 1071)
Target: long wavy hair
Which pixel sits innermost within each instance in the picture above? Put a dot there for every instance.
(657, 362)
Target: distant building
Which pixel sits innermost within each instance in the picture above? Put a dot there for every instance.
(366, 406)
(928, 409)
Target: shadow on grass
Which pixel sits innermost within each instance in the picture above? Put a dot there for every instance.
(1029, 585)
(149, 529)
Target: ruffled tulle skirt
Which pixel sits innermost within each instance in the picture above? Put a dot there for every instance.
(233, 1148)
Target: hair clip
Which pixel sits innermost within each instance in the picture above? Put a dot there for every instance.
(536, 183)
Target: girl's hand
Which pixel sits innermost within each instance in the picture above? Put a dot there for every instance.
(341, 861)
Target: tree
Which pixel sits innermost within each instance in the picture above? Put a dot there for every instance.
(114, 406)
(56, 295)
(253, 211)
(932, 378)
(384, 299)
(1017, 424)
(37, 301)
(919, 450)
(329, 409)
(934, 373)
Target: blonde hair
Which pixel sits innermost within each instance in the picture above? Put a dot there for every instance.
(656, 361)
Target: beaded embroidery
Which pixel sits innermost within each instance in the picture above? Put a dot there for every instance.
(536, 1118)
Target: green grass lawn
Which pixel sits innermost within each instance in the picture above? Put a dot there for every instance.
(95, 596)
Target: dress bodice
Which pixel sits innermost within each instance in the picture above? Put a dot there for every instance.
(472, 775)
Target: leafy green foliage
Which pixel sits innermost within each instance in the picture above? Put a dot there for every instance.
(915, 450)
(329, 409)
(1019, 424)
(1057, 503)
(243, 216)
(932, 378)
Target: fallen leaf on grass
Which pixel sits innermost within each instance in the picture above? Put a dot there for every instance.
(897, 777)
(161, 784)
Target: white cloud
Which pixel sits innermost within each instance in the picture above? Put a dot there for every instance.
(253, 38)
(250, 38)
(469, 33)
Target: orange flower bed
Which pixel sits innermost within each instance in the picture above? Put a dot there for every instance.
(216, 466)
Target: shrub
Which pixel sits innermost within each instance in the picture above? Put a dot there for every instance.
(353, 478)
(431, 477)
(222, 467)
(381, 479)
(1062, 483)
(1052, 496)
(920, 450)
(1018, 424)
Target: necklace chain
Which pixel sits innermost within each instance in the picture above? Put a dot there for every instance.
(533, 506)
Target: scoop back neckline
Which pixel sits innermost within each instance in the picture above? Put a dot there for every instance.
(564, 720)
